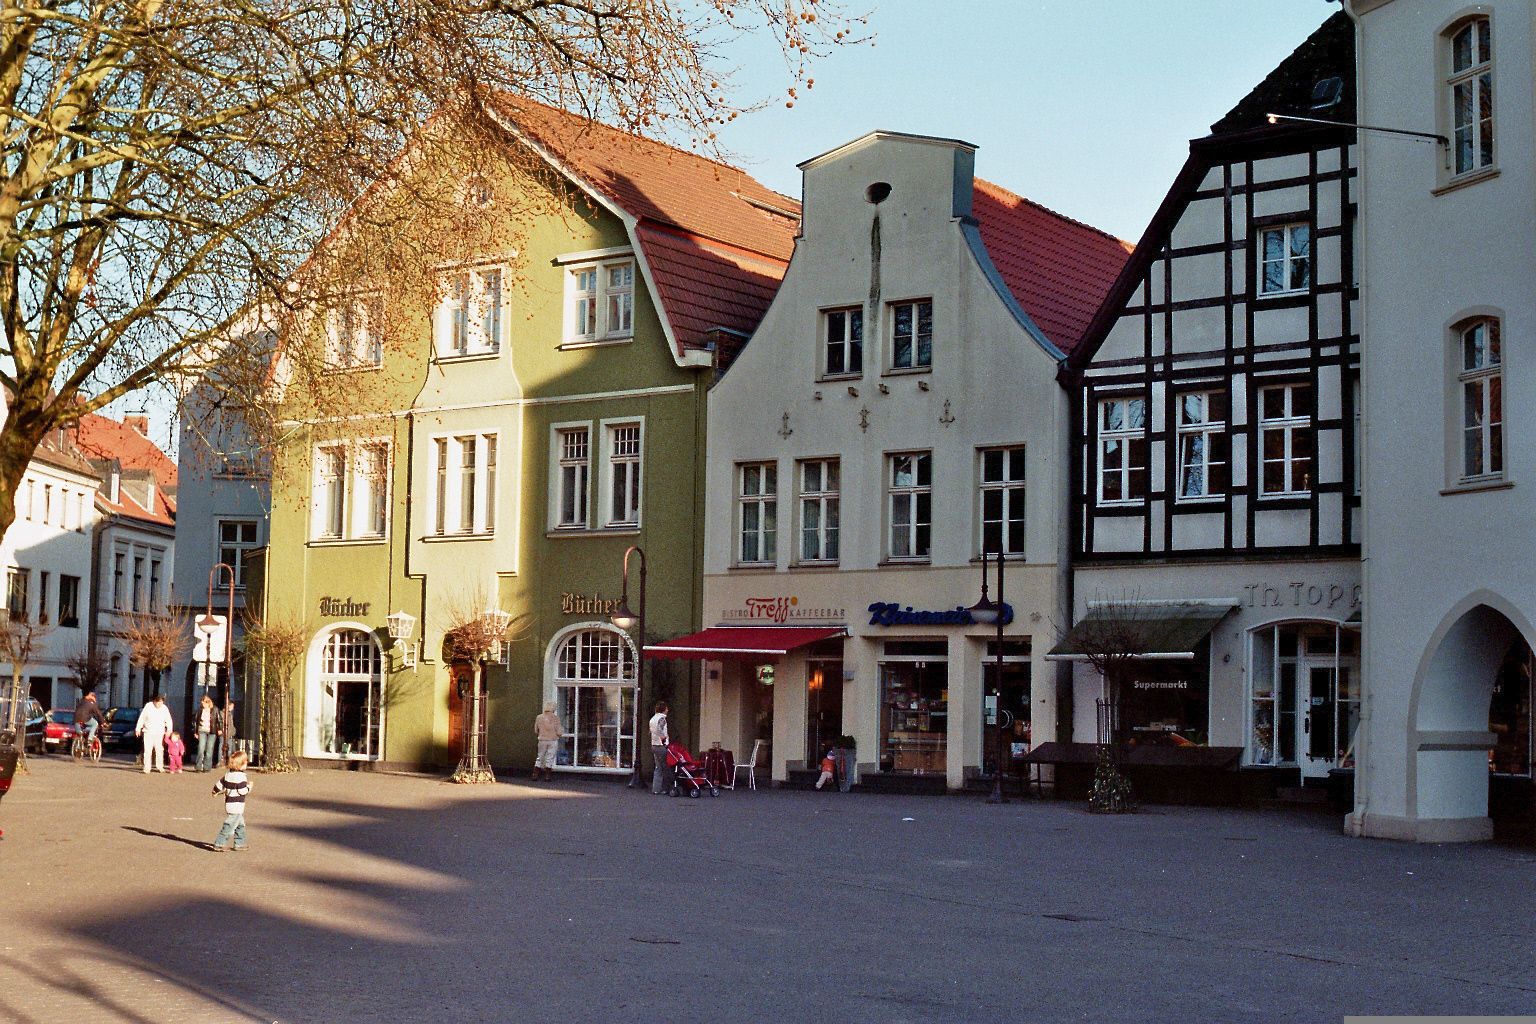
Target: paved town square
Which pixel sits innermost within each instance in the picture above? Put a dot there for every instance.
(371, 897)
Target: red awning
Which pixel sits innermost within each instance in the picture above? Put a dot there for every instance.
(742, 642)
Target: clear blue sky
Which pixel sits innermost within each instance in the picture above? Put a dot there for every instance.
(1086, 106)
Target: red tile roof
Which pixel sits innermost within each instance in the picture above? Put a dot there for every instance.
(99, 437)
(717, 241)
(1059, 269)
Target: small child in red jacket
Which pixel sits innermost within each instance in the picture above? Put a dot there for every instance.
(175, 750)
(828, 769)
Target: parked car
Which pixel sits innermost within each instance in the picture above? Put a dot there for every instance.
(36, 721)
(119, 731)
(59, 730)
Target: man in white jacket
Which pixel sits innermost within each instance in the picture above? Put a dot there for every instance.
(155, 726)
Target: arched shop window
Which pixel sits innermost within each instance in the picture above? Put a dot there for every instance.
(1305, 697)
(595, 695)
(351, 705)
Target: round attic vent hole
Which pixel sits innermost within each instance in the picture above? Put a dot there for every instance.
(877, 192)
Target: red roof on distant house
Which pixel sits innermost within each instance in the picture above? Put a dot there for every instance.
(1058, 269)
(716, 240)
(99, 437)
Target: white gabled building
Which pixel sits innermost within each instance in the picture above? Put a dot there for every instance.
(1449, 314)
(135, 544)
(47, 558)
(897, 409)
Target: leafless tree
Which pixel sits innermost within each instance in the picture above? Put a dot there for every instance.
(90, 666)
(19, 640)
(477, 634)
(155, 641)
(1114, 637)
(170, 169)
(276, 646)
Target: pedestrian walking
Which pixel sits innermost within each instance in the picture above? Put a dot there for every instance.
(175, 750)
(546, 730)
(154, 726)
(209, 724)
(659, 740)
(227, 727)
(235, 787)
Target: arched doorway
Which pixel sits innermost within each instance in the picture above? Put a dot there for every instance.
(345, 706)
(1468, 690)
(591, 681)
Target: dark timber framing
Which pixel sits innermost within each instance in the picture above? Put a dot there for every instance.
(1264, 341)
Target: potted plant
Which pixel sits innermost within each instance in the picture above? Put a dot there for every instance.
(844, 753)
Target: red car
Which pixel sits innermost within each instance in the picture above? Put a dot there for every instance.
(59, 730)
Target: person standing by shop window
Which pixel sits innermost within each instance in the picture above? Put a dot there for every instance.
(659, 741)
(546, 730)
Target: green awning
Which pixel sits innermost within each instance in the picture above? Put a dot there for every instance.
(1141, 629)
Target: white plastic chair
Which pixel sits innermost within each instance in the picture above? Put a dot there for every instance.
(750, 768)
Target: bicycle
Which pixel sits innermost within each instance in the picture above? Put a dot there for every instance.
(85, 745)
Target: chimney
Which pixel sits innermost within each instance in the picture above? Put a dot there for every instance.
(138, 423)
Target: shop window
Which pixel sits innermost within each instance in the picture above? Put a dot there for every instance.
(1305, 697)
(350, 708)
(914, 706)
(1007, 706)
(1509, 714)
(595, 696)
(1167, 703)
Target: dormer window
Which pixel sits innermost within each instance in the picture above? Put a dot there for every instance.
(600, 302)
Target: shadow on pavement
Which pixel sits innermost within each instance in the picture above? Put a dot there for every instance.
(166, 835)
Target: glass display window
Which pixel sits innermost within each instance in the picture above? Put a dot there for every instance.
(1167, 703)
(595, 698)
(1304, 697)
(914, 706)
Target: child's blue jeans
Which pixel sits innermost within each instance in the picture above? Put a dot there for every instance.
(234, 825)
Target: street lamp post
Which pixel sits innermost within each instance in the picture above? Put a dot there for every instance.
(628, 620)
(989, 613)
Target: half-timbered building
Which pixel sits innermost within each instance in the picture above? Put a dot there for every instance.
(1216, 501)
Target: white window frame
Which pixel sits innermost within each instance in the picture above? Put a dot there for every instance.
(1013, 491)
(354, 333)
(239, 547)
(446, 508)
(823, 503)
(765, 500)
(1209, 432)
(1121, 461)
(912, 365)
(633, 467)
(1289, 259)
(603, 313)
(1475, 76)
(348, 523)
(564, 462)
(370, 486)
(910, 495)
(1485, 376)
(1289, 424)
(845, 343)
(471, 314)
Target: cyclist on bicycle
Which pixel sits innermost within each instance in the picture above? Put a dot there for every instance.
(89, 717)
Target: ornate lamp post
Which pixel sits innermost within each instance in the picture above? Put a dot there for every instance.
(628, 620)
(989, 613)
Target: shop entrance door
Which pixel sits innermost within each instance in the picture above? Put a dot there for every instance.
(823, 708)
(1006, 707)
(1328, 698)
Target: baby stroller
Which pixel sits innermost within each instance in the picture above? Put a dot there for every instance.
(687, 773)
